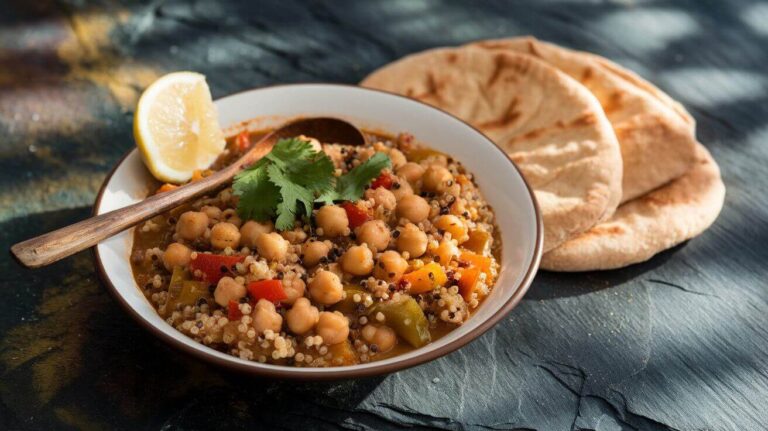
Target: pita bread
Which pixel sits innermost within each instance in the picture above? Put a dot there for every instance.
(649, 224)
(657, 142)
(550, 125)
(636, 80)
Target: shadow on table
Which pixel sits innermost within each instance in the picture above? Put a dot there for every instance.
(551, 285)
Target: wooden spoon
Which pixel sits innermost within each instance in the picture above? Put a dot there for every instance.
(54, 246)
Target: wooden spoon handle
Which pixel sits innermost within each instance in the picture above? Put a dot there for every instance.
(56, 245)
(53, 246)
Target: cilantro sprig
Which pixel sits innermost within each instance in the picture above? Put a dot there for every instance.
(286, 183)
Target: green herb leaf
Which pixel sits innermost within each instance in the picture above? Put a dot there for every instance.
(292, 195)
(350, 186)
(258, 196)
(287, 181)
(315, 174)
(288, 151)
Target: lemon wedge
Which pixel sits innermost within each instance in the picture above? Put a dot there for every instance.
(176, 127)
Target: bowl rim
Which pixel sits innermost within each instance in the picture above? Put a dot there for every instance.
(336, 373)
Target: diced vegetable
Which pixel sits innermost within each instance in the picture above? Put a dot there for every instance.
(345, 351)
(243, 141)
(355, 214)
(406, 318)
(271, 290)
(233, 311)
(475, 260)
(193, 291)
(213, 266)
(468, 282)
(384, 180)
(348, 304)
(427, 278)
(177, 279)
(182, 290)
(463, 180)
(478, 241)
(419, 154)
(166, 188)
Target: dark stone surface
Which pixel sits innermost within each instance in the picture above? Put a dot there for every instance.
(679, 342)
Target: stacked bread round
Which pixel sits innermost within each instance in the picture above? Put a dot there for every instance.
(614, 162)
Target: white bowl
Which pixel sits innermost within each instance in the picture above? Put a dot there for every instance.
(499, 181)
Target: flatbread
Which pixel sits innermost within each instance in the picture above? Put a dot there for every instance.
(649, 224)
(655, 133)
(550, 125)
(636, 80)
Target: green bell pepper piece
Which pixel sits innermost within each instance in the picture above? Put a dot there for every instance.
(407, 318)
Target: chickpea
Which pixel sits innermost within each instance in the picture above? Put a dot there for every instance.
(357, 260)
(251, 230)
(401, 188)
(314, 251)
(294, 290)
(374, 233)
(335, 268)
(382, 336)
(382, 198)
(436, 159)
(414, 208)
(454, 225)
(225, 196)
(390, 267)
(228, 290)
(265, 316)
(325, 288)
(213, 213)
(367, 152)
(397, 158)
(302, 316)
(333, 327)
(176, 255)
(446, 251)
(192, 225)
(436, 179)
(295, 236)
(272, 246)
(333, 220)
(413, 240)
(230, 216)
(454, 190)
(225, 235)
(411, 172)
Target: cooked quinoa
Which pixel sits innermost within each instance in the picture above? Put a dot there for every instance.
(358, 282)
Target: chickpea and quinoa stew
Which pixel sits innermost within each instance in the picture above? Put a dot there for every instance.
(397, 255)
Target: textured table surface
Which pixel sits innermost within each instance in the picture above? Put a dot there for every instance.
(679, 342)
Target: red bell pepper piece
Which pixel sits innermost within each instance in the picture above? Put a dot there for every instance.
(243, 140)
(233, 311)
(271, 290)
(384, 180)
(355, 214)
(213, 266)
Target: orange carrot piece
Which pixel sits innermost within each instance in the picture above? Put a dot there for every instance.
(426, 278)
(166, 188)
(468, 282)
(476, 260)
